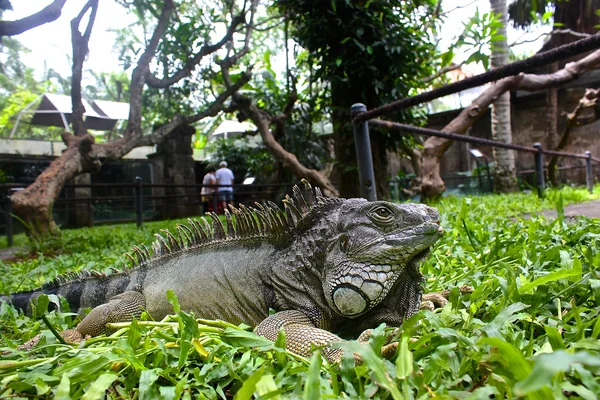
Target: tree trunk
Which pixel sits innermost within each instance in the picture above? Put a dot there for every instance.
(505, 171)
(34, 204)
(552, 124)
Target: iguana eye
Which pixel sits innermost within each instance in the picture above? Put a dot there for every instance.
(382, 214)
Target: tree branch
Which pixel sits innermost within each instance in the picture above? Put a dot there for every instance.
(263, 120)
(434, 148)
(80, 50)
(159, 83)
(589, 100)
(140, 73)
(442, 71)
(47, 14)
(578, 35)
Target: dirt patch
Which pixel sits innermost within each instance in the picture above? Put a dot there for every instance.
(12, 254)
(591, 209)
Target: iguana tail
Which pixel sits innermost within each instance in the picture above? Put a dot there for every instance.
(81, 290)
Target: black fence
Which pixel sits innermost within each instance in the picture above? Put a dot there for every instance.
(82, 205)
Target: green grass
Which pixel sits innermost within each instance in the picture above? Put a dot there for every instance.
(530, 329)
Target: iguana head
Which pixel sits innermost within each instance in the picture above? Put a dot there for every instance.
(374, 243)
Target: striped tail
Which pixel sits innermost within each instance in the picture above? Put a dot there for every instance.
(81, 290)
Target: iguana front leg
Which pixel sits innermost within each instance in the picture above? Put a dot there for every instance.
(431, 301)
(121, 308)
(301, 335)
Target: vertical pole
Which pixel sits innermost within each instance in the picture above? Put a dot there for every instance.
(589, 175)
(9, 224)
(539, 170)
(489, 175)
(481, 190)
(215, 200)
(363, 155)
(138, 202)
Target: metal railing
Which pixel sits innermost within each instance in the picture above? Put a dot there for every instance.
(362, 118)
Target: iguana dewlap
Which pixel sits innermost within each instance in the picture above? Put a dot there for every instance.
(325, 265)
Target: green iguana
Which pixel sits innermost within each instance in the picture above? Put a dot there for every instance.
(325, 265)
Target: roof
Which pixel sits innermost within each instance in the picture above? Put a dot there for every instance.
(57, 110)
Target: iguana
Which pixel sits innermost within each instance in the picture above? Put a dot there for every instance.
(325, 265)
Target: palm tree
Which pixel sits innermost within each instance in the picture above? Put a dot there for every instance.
(505, 172)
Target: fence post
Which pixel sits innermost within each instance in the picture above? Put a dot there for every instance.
(138, 202)
(9, 224)
(215, 200)
(589, 175)
(363, 154)
(539, 170)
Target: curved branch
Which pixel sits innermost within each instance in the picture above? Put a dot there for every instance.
(140, 72)
(80, 50)
(47, 14)
(159, 83)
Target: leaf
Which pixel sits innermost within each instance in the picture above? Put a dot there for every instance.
(99, 387)
(404, 362)
(548, 365)
(63, 390)
(556, 341)
(312, 387)
(510, 356)
(374, 364)
(199, 347)
(249, 386)
(147, 379)
(338, 62)
(41, 305)
(551, 277)
(240, 338)
(172, 297)
(267, 388)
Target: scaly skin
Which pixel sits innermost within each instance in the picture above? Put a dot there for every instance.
(326, 266)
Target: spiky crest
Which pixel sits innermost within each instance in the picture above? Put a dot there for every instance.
(266, 220)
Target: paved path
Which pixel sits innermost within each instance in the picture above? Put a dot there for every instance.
(591, 209)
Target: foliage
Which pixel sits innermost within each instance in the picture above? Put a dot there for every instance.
(529, 330)
(480, 33)
(19, 87)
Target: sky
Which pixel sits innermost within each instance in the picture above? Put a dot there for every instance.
(50, 44)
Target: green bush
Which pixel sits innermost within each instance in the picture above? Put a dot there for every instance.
(530, 329)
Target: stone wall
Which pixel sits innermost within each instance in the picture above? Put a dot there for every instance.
(172, 164)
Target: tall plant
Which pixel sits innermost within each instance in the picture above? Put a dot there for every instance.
(367, 52)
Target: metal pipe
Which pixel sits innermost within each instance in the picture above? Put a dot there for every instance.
(589, 175)
(539, 170)
(363, 154)
(138, 202)
(9, 222)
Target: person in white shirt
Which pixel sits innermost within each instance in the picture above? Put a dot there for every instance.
(207, 193)
(225, 179)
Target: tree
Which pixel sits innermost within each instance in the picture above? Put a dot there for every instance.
(366, 52)
(505, 171)
(48, 14)
(34, 204)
